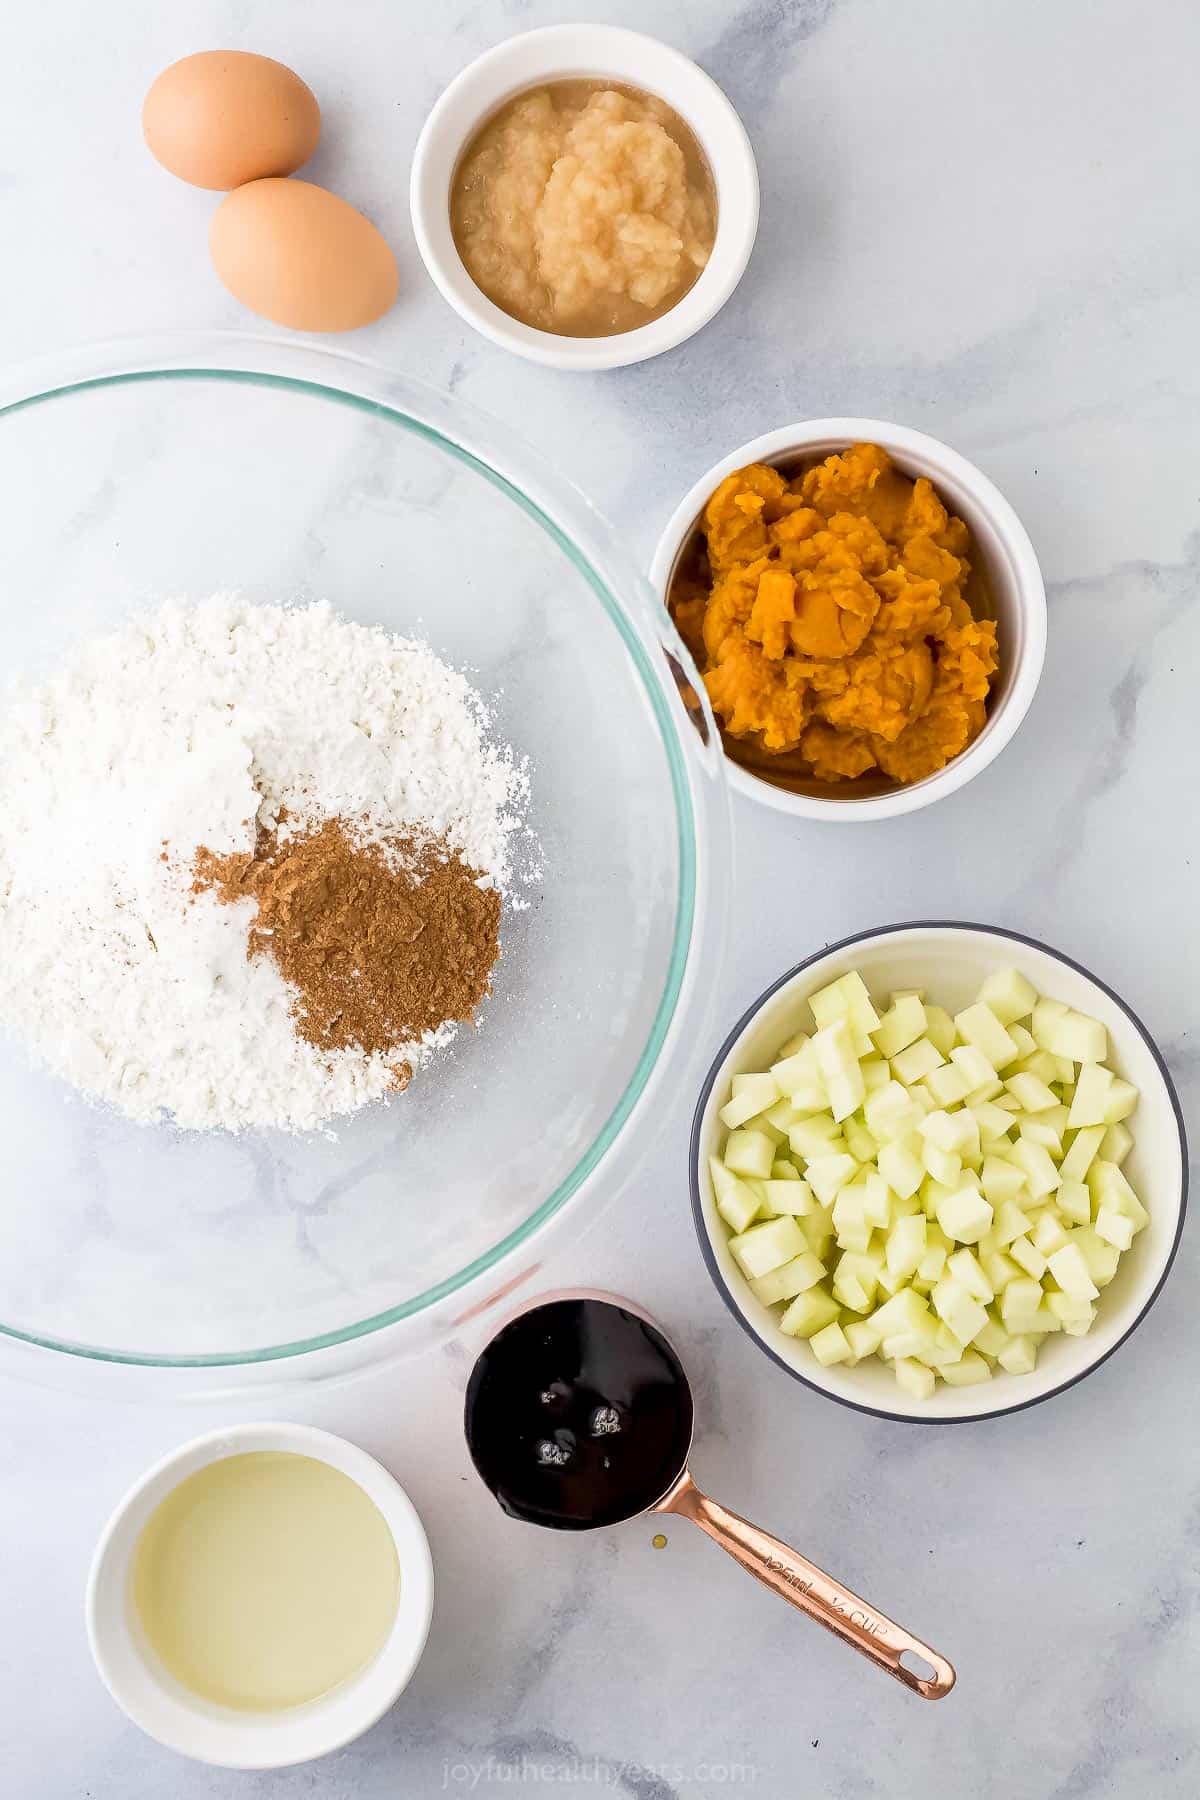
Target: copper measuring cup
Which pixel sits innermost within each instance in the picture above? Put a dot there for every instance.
(530, 1493)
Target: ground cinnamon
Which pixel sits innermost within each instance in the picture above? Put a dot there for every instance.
(382, 941)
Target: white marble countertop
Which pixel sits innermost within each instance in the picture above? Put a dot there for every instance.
(977, 220)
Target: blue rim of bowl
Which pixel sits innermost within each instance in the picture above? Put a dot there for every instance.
(686, 843)
(706, 1249)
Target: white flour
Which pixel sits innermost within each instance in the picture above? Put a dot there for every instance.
(191, 726)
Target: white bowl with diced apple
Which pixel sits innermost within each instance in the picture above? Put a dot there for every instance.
(952, 1187)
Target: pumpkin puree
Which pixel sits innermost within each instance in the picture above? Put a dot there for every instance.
(833, 622)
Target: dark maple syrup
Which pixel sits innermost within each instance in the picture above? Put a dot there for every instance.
(578, 1414)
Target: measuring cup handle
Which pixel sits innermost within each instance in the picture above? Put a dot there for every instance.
(794, 1578)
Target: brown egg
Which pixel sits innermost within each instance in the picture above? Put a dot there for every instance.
(297, 254)
(223, 117)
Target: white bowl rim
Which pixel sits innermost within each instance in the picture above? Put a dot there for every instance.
(913, 1416)
(835, 433)
(287, 1739)
(559, 52)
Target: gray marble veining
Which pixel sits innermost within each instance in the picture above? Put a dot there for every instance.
(977, 219)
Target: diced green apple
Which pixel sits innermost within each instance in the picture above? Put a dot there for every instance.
(1090, 1103)
(789, 1279)
(809, 1313)
(914, 1379)
(780, 1197)
(767, 1246)
(830, 1345)
(737, 1202)
(1116, 1143)
(901, 1025)
(1009, 995)
(914, 1063)
(1077, 1037)
(749, 1153)
(940, 1029)
(1071, 1272)
(751, 1094)
(965, 1216)
(978, 1025)
(967, 1371)
(1018, 1356)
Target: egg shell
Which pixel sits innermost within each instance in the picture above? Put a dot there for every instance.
(224, 117)
(299, 255)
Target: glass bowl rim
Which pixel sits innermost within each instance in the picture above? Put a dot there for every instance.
(296, 366)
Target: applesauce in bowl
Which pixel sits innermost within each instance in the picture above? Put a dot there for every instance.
(584, 207)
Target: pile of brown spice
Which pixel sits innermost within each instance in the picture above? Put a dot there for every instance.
(384, 942)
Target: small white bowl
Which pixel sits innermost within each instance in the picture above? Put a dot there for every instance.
(950, 961)
(1008, 558)
(574, 51)
(181, 1720)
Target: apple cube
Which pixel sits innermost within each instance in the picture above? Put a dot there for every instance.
(737, 1202)
(780, 1197)
(1116, 1144)
(838, 1063)
(965, 1215)
(1083, 1147)
(809, 1313)
(999, 1268)
(901, 1025)
(1090, 1102)
(1077, 1037)
(1074, 1202)
(1114, 1228)
(967, 1371)
(789, 1279)
(859, 1141)
(979, 1026)
(914, 1378)
(1071, 1272)
(829, 1346)
(1101, 1258)
(905, 1246)
(939, 1029)
(862, 1338)
(1038, 1165)
(1046, 1015)
(1019, 1304)
(765, 1247)
(1047, 1233)
(749, 1153)
(1122, 1099)
(812, 1137)
(875, 1073)
(914, 1063)
(1032, 1092)
(827, 1175)
(902, 1171)
(751, 1094)
(1018, 1356)
(1028, 1257)
(947, 1085)
(1009, 995)
(944, 1165)
(959, 1310)
(992, 1339)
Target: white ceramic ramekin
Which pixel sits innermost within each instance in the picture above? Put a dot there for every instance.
(950, 961)
(611, 53)
(182, 1721)
(1000, 540)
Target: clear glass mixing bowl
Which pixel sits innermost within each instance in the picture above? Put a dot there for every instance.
(190, 465)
